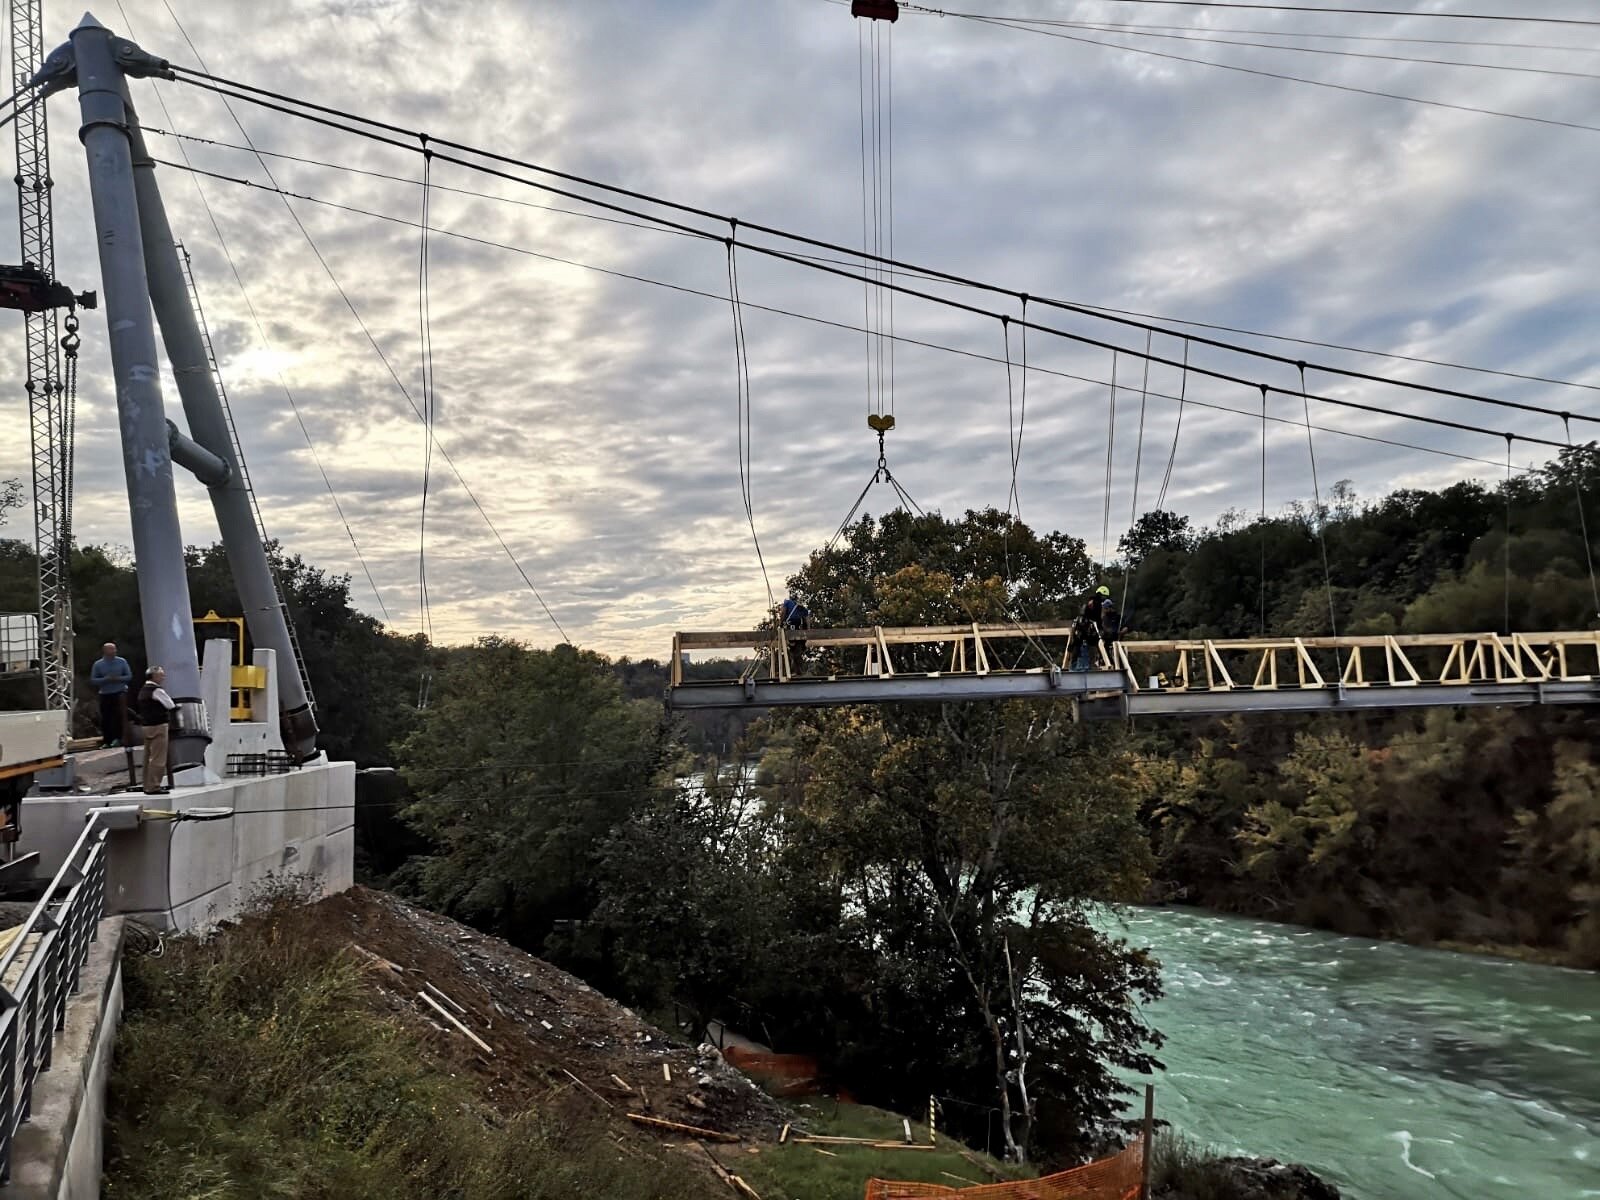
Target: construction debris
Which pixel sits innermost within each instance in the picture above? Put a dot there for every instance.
(456, 1021)
(695, 1131)
(587, 1088)
(545, 1022)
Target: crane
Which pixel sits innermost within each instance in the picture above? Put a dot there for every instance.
(33, 289)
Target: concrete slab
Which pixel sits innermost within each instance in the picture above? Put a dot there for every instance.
(177, 875)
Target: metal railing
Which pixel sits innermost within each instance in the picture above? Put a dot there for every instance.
(39, 970)
(1196, 676)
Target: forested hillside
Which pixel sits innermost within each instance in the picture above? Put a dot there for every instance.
(1479, 827)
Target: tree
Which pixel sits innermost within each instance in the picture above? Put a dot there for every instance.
(522, 765)
(691, 897)
(976, 834)
(1158, 530)
(10, 497)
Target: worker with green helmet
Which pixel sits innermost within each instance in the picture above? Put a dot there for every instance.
(1100, 621)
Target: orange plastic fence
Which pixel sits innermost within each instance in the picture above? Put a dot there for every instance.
(797, 1073)
(1116, 1178)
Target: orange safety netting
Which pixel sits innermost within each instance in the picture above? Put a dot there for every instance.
(796, 1073)
(1119, 1177)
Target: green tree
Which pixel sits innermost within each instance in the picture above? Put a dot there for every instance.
(1157, 530)
(10, 497)
(976, 834)
(1558, 852)
(522, 765)
(691, 896)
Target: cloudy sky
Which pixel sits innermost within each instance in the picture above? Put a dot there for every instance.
(594, 416)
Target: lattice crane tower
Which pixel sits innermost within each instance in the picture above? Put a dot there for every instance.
(50, 401)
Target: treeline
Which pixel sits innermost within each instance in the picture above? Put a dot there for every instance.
(1477, 827)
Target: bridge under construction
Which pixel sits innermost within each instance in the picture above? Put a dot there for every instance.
(1177, 677)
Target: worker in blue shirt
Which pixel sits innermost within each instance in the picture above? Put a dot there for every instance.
(796, 618)
(110, 676)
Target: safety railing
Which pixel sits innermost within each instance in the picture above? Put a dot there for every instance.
(39, 970)
(817, 667)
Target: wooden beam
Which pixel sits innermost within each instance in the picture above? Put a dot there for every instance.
(694, 1131)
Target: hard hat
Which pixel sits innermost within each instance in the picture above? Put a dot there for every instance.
(1102, 590)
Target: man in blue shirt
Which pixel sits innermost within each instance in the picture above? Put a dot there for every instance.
(110, 676)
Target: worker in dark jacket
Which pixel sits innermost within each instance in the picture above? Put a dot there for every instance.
(1098, 622)
(1085, 637)
(796, 618)
(153, 710)
(1107, 615)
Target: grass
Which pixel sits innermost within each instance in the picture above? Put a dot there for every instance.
(1189, 1169)
(799, 1172)
(253, 1065)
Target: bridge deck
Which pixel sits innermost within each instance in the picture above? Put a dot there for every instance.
(1174, 677)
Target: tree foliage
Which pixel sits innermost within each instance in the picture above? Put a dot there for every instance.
(521, 766)
(1388, 825)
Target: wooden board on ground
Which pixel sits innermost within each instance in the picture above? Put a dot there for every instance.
(710, 1135)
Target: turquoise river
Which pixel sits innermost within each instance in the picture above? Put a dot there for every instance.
(1397, 1073)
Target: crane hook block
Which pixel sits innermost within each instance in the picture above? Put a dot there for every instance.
(875, 10)
(881, 422)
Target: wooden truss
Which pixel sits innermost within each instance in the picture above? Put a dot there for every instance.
(1197, 675)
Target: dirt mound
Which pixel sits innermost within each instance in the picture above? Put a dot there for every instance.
(543, 1028)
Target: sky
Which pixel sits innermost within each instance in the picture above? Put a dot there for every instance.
(595, 416)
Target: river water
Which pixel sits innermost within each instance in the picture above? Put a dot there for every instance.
(1397, 1073)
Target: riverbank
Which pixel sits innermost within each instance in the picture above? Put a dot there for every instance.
(1165, 894)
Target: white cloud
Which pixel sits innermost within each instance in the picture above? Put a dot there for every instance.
(594, 416)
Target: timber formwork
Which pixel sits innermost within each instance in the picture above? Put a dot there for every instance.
(1175, 677)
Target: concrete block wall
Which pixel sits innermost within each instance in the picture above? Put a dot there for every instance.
(188, 874)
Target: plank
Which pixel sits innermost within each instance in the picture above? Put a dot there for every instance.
(451, 1017)
(710, 1135)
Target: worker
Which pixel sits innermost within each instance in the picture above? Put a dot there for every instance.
(1085, 636)
(1108, 616)
(153, 710)
(795, 616)
(110, 676)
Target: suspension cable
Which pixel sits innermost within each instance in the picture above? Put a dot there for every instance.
(1022, 413)
(1138, 463)
(812, 318)
(1321, 517)
(1263, 509)
(1507, 490)
(1583, 522)
(1111, 440)
(1177, 428)
(1098, 308)
(266, 98)
(741, 367)
(425, 344)
(1012, 505)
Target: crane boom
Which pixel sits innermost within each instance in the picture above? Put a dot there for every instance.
(50, 401)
